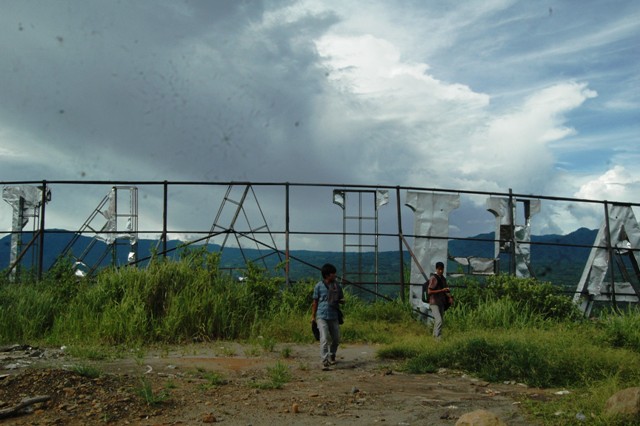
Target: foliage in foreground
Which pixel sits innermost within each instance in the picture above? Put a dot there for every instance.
(169, 302)
(593, 358)
(540, 358)
(504, 329)
(176, 302)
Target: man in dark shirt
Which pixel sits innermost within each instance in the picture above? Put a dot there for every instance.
(438, 292)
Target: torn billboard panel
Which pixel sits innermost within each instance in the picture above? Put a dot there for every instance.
(431, 231)
(110, 227)
(622, 235)
(476, 265)
(510, 237)
(25, 201)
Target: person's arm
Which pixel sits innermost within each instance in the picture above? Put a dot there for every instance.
(431, 287)
(314, 309)
(433, 283)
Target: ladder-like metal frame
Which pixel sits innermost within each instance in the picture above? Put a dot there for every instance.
(252, 234)
(107, 232)
(358, 275)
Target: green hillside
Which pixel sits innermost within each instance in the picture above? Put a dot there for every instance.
(559, 259)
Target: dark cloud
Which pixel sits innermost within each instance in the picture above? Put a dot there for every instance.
(239, 90)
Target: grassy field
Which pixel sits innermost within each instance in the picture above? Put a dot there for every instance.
(505, 329)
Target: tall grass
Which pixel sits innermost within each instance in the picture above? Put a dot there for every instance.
(541, 358)
(170, 301)
(26, 312)
(621, 329)
(501, 313)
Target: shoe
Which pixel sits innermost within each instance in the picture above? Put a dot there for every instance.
(332, 361)
(325, 364)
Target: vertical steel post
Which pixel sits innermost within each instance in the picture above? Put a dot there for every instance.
(512, 232)
(400, 243)
(376, 241)
(286, 236)
(607, 228)
(114, 236)
(41, 230)
(344, 237)
(164, 218)
(360, 240)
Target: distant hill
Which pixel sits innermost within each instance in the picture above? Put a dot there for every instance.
(559, 259)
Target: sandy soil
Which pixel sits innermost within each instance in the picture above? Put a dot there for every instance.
(227, 383)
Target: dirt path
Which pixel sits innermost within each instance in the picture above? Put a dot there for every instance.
(228, 383)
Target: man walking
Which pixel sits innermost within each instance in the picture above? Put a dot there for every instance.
(325, 311)
(438, 293)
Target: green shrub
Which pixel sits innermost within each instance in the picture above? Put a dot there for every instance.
(294, 299)
(541, 297)
(89, 371)
(27, 311)
(152, 398)
(278, 376)
(621, 329)
(537, 297)
(545, 358)
(390, 311)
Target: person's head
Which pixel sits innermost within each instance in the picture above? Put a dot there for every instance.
(439, 268)
(328, 269)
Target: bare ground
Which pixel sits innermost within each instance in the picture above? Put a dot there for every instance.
(228, 383)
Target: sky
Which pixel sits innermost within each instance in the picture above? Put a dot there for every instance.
(541, 97)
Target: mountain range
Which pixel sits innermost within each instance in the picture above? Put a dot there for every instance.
(559, 259)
